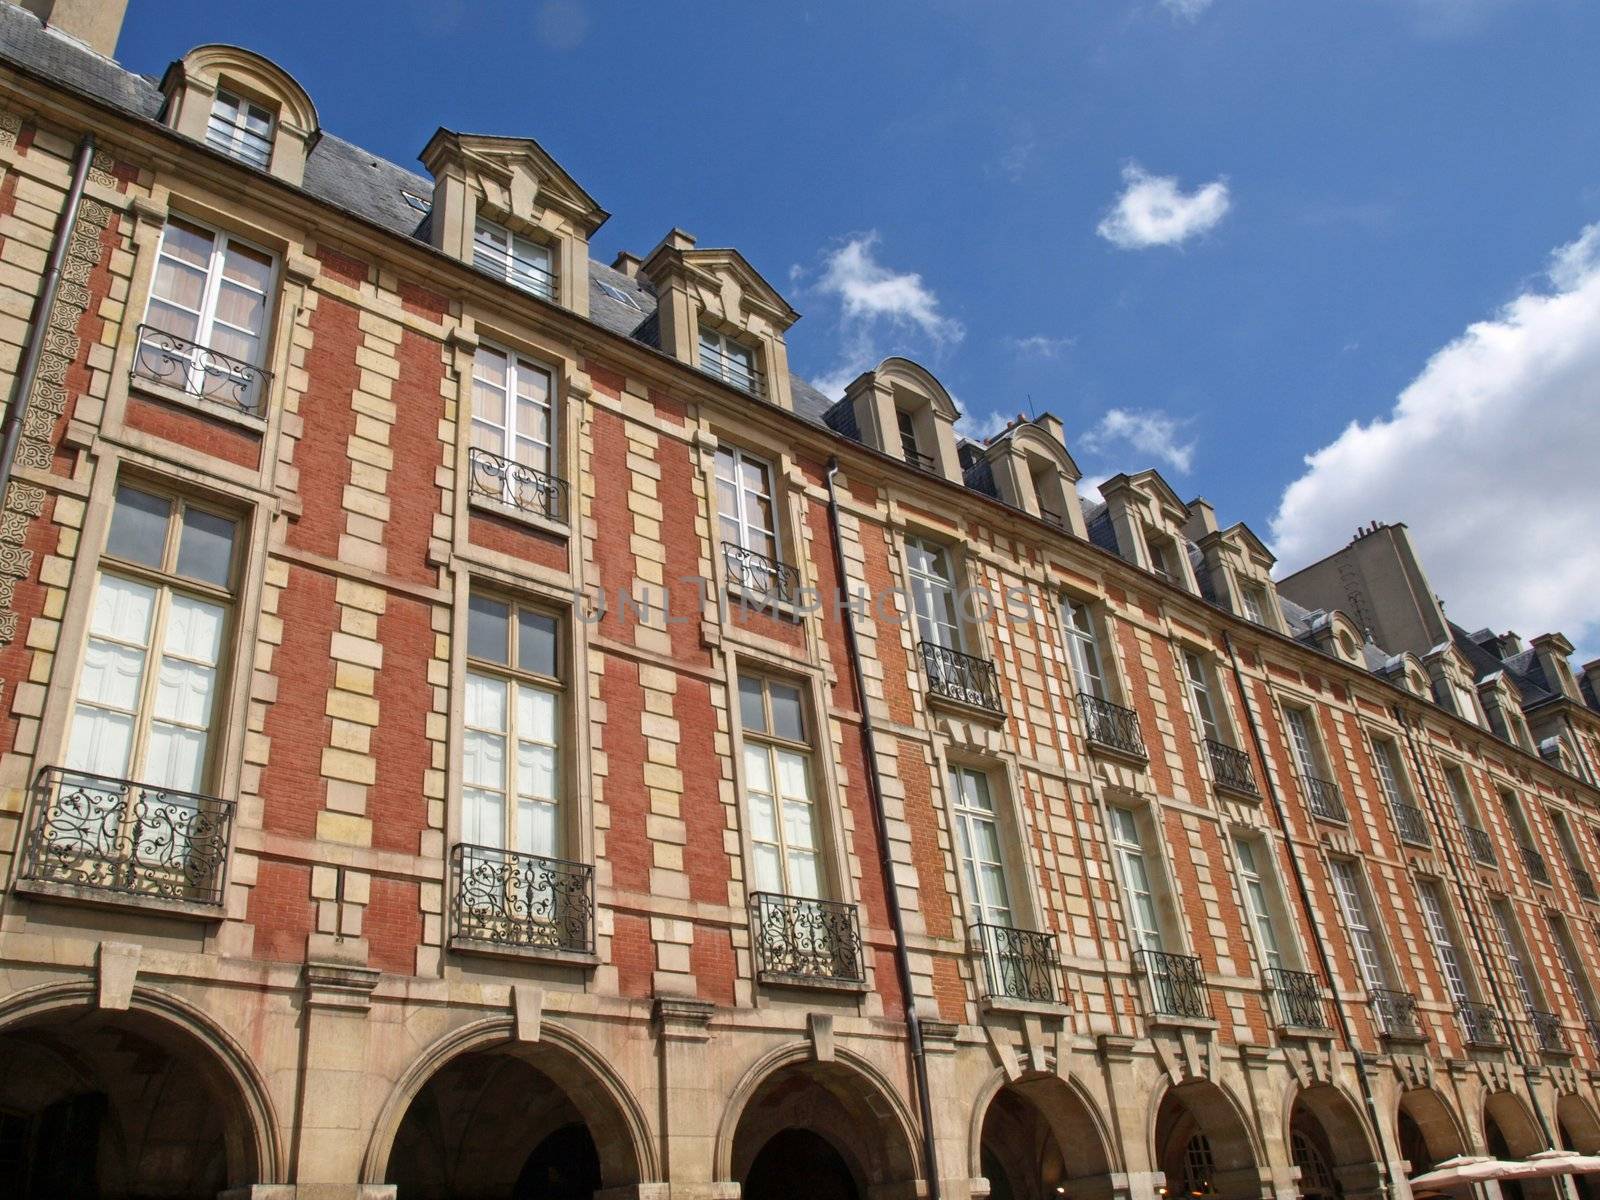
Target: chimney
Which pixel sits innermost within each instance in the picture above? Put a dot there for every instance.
(627, 263)
(95, 23)
(1202, 519)
(1051, 424)
(1551, 649)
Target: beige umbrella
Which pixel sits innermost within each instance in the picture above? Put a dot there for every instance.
(1465, 1170)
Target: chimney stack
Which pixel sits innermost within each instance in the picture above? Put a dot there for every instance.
(95, 23)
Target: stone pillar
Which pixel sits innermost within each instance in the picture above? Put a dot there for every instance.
(690, 1108)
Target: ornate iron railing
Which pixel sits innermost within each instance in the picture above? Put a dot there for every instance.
(521, 901)
(1535, 863)
(512, 483)
(1231, 767)
(208, 374)
(1396, 1013)
(1322, 795)
(1547, 1028)
(1177, 984)
(1018, 964)
(1413, 826)
(1584, 882)
(800, 938)
(1297, 997)
(764, 579)
(963, 677)
(731, 370)
(1111, 725)
(115, 835)
(1479, 843)
(1481, 1024)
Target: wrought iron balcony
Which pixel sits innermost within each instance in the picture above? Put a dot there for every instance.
(1396, 1014)
(1177, 984)
(732, 370)
(1479, 843)
(763, 579)
(1297, 998)
(962, 677)
(1231, 768)
(1547, 1028)
(1018, 964)
(1584, 882)
(521, 901)
(1322, 795)
(1535, 863)
(800, 939)
(126, 838)
(1413, 826)
(1111, 725)
(513, 484)
(1481, 1024)
(205, 373)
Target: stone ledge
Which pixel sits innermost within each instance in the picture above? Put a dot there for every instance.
(163, 394)
(104, 898)
(521, 516)
(583, 959)
(815, 983)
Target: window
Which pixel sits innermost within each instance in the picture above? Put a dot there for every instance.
(978, 834)
(1353, 902)
(1461, 795)
(778, 792)
(933, 593)
(1257, 901)
(906, 423)
(511, 770)
(1200, 696)
(1303, 742)
(1164, 559)
(1199, 1170)
(241, 129)
(1389, 772)
(520, 261)
(1516, 954)
(513, 414)
(1577, 980)
(1465, 703)
(1316, 1178)
(206, 321)
(746, 514)
(729, 360)
(1444, 943)
(1129, 849)
(146, 703)
(1254, 601)
(1083, 649)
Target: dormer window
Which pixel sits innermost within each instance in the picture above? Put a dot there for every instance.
(729, 360)
(1164, 561)
(1254, 601)
(241, 129)
(520, 261)
(907, 424)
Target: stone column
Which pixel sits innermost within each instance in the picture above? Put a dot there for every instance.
(689, 1109)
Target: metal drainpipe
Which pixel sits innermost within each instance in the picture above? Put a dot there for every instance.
(38, 321)
(919, 1056)
(1313, 919)
(1465, 900)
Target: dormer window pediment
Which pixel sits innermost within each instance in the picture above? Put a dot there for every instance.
(903, 411)
(1149, 520)
(1033, 471)
(244, 106)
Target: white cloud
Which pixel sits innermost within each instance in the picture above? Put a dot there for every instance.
(1189, 10)
(1040, 346)
(1154, 211)
(981, 427)
(875, 299)
(1489, 457)
(1150, 431)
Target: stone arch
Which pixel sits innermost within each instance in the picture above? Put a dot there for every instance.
(1328, 1135)
(1054, 1118)
(1427, 1130)
(1509, 1115)
(263, 77)
(1579, 1126)
(847, 1101)
(95, 1069)
(1199, 1127)
(580, 1083)
(898, 371)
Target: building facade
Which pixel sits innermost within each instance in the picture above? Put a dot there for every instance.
(473, 724)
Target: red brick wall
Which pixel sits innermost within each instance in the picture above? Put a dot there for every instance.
(281, 910)
(296, 722)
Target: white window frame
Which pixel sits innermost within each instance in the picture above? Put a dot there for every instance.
(1198, 677)
(772, 747)
(930, 590)
(516, 364)
(1252, 598)
(1084, 657)
(1303, 741)
(1256, 880)
(1366, 942)
(526, 264)
(984, 876)
(1441, 932)
(740, 459)
(1391, 773)
(1515, 948)
(723, 365)
(1138, 880)
(233, 137)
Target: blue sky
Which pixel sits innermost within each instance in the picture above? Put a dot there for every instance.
(1349, 185)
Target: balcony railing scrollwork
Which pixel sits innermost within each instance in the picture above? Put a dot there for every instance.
(1231, 768)
(132, 839)
(1324, 799)
(1018, 964)
(1481, 1024)
(1584, 883)
(1535, 863)
(1177, 984)
(1479, 843)
(205, 373)
(506, 899)
(1396, 1013)
(513, 484)
(801, 939)
(764, 579)
(1413, 826)
(961, 677)
(1111, 725)
(1297, 998)
(1547, 1028)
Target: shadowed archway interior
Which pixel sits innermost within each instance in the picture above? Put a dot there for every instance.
(113, 1105)
(1039, 1142)
(1329, 1142)
(1201, 1145)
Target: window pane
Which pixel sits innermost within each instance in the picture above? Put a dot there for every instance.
(751, 713)
(763, 818)
(536, 715)
(183, 693)
(536, 642)
(769, 869)
(536, 771)
(803, 879)
(793, 781)
(537, 832)
(488, 629)
(483, 763)
(194, 630)
(187, 243)
(100, 742)
(797, 826)
(486, 703)
(175, 758)
(182, 287)
(788, 721)
(111, 675)
(247, 266)
(122, 610)
(758, 772)
(483, 818)
(205, 547)
(138, 527)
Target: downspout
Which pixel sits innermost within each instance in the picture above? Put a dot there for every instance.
(1473, 930)
(39, 319)
(919, 1056)
(1313, 920)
